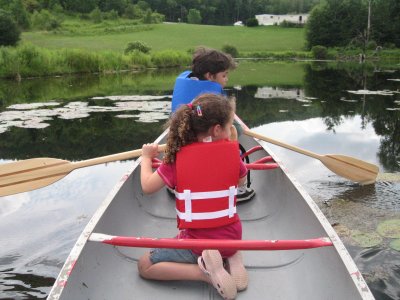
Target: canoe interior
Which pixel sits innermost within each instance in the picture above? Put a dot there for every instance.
(278, 211)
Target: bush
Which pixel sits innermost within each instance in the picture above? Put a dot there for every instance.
(9, 32)
(96, 15)
(389, 46)
(8, 67)
(110, 62)
(139, 59)
(194, 16)
(150, 17)
(138, 46)
(81, 61)
(230, 50)
(110, 15)
(32, 61)
(371, 45)
(288, 24)
(319, 52)
(45, 20)
(252, 22)
(170, 58)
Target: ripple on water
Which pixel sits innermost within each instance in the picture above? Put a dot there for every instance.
(381, 195)
(15, 285)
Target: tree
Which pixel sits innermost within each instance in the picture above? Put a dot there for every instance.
(147, 18)
(31, 5)
(251, 22)
(385, 22)
(9, 31)
(20, 14)
(194, 16)
(336, 23)
(117, 5)
(80, 6)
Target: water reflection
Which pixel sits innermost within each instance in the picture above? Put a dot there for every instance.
(24, 286)
(382, 270)
(309, 106)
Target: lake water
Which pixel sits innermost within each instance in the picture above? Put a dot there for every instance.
(348, 109)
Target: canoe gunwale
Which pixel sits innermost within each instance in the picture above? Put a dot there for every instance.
(348, 261)
(62, 278)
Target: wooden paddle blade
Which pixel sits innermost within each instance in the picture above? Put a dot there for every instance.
(351, 168)
(30, 174)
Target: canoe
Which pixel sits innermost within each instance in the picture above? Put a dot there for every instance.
(280, 211)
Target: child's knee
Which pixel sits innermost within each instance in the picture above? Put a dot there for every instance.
(143, 265)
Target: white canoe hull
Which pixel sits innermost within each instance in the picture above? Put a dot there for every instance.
(281, 209)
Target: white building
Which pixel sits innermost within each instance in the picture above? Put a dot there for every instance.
(277, 19)
(278, 93)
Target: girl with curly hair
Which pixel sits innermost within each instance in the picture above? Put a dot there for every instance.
(205, 169)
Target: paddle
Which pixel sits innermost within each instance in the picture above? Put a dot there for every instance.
(30, 174)
(348, 167)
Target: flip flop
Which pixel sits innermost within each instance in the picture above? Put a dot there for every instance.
(238, 271)
(210, 262)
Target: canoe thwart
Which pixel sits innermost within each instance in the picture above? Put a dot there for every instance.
(146, 242)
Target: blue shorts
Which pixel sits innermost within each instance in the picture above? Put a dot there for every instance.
(173, 255)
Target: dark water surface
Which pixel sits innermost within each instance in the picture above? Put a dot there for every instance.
(339, 109)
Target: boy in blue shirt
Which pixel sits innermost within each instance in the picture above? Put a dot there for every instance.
(209, 74)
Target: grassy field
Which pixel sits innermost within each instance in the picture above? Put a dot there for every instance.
(114, 36)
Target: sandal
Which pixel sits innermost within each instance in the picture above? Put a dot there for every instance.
(210, 262)
(238, 271)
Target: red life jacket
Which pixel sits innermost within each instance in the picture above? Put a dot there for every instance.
(207, 175)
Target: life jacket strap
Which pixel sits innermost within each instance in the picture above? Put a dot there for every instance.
(207, 215)
(188, 197)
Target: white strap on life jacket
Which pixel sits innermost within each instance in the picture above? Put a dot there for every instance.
(188, 197)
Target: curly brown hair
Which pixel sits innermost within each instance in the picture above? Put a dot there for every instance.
(186, 123)
(210, 60)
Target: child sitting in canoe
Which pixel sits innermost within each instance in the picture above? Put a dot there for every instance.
(209, 74)
(205, 169)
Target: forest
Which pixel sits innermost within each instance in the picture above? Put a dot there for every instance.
(216, 12)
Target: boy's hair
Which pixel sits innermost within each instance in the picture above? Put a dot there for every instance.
(210, 60)
(189, 120)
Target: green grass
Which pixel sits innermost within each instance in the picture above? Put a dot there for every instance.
(115, 35)
(29, 60)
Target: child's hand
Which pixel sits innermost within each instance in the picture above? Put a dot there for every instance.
(150, 150)
(234, 134)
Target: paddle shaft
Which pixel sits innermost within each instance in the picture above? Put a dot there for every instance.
(281, 144)
(113, 157)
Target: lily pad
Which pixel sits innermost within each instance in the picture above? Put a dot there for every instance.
(391, 177)
(342, 230)
(389, 228)
(395, 245)
(365, 239)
